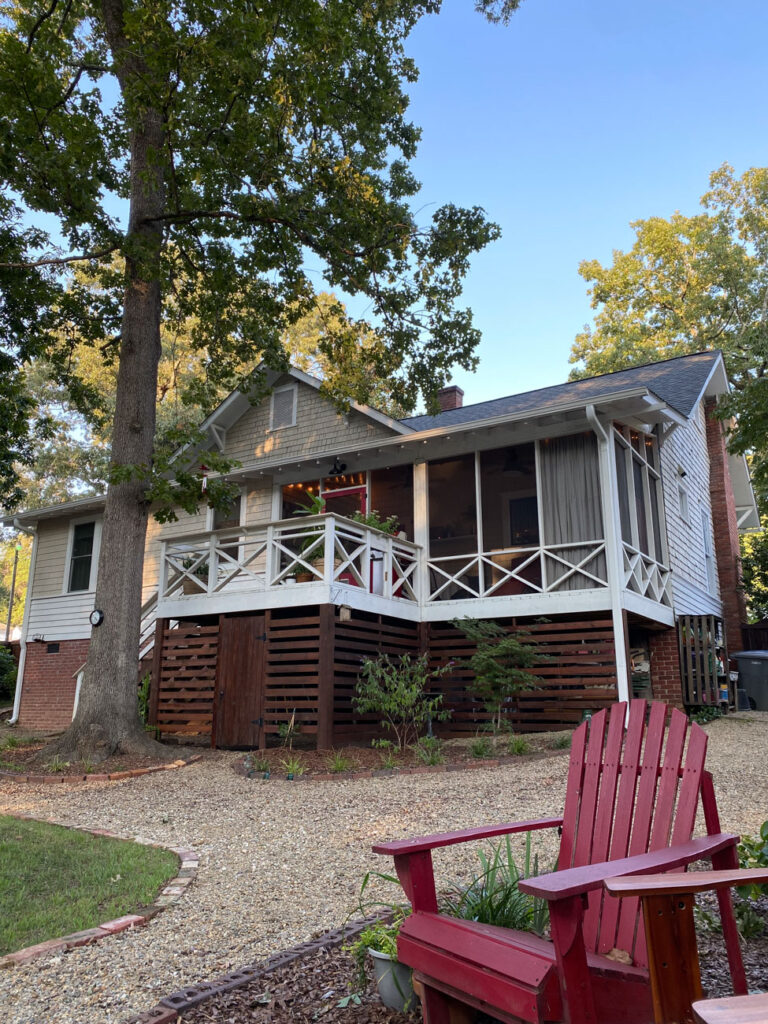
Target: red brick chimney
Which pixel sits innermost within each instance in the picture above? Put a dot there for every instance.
(450, 398)
(726, 531)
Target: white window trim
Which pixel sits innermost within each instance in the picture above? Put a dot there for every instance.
(684, 502)
(286, 387)
(243, 511)
(709, 553)
(94, 554)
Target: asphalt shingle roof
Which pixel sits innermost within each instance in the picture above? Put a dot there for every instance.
(678, 382)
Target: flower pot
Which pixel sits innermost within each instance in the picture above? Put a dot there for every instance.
(394, 981)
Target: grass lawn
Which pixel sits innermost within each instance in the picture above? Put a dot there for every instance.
(55, 881)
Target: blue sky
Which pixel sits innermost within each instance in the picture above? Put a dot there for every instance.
(565, 126)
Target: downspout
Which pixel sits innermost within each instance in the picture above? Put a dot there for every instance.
(612, 539)
(25, 621)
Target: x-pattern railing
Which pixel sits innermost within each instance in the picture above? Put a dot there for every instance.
(645, 576)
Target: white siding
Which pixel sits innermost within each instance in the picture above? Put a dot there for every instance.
(61, 618)
(50, 566)
(687, 448)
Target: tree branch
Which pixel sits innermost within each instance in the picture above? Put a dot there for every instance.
(43, 17)
(50, 262)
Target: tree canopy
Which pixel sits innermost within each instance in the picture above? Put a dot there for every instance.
(193, 159)
(691, 283)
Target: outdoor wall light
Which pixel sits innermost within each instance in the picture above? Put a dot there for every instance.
(338, 467)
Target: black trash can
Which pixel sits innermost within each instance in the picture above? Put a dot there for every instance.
(753, 677)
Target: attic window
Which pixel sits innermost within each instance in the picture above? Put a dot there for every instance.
(283, 407)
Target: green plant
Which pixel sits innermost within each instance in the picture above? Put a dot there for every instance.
(705, 714)
(517, 746)
(87, 763)
(256, 763)
(13, 742)
(562, 742)
(480, 747)
(373, 519)
(380, 934)
(57, 764)
(8, 670)
(338, 762)
(144, 686)
(288, 731)
(753, 853)
(499, 665)
(494, 897)
(293, 766)
(389, 759)
(398, 690)
(429, 750)
(309, 545)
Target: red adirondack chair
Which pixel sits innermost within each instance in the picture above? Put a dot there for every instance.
(630, 808)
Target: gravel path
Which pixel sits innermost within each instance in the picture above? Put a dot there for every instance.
(281, 862)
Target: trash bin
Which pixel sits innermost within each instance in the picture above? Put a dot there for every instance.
(753, 677)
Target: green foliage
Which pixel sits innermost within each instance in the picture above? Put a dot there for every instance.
(517, 746)
(480, 747)
(288, 731)
(55, 881)
(57, 764)
(562, 742)
(389, 525)
(754, 562)
(255, 763)
(293, 766)
(339, 762)
(499, 665)
(753, 853)
(494, 897)
(380, 934)
(8, 672)
(398, 691)
(689, 284)
(429, 750)
(704, 714)
(8, 553)
(389, 759)
(146, 681)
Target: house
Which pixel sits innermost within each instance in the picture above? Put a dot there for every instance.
(600, 515)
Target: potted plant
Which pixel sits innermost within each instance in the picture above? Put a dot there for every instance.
(393, 979)
(373, 519)
(315, 507)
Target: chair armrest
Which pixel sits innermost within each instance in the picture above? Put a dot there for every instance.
(421, 843)
(695, 881)
(577, 881)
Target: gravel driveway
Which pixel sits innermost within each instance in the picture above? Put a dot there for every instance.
(281, 862)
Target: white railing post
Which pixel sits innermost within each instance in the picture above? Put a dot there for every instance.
(421, 530)
(212, 564)
(269, 557)
(163, 582)
(329, 550)
(388, 589)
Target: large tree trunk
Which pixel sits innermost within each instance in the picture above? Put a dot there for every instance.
(107, 719)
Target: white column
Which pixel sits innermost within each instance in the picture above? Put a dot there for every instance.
(421, 528)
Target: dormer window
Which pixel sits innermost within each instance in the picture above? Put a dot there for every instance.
(283, 407)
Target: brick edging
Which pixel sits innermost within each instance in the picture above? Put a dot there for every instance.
(173, 890)
(169, 1007)
(134, 773)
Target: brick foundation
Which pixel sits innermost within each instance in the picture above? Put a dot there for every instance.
(48, 690)
(666, 680)
(726, 532)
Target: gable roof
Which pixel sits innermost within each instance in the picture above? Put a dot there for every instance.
(679, 382)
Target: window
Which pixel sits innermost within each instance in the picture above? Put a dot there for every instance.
(283, 407)
(639, 491)
(81, 556)
(682, 497)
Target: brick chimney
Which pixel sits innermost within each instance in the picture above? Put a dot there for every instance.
(450, 398)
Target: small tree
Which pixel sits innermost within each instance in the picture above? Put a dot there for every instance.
(398, 691)
(499, 665)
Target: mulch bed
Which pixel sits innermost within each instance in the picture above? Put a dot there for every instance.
(364, 760)
(21, 760)
(310, 989)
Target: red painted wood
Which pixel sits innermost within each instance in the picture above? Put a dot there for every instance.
(725, 860)
(572, 797)
(690, 785)
(565, 924)
(418, 880)
(576, 881)
(462, 836)
(593, 763)
(604, 818)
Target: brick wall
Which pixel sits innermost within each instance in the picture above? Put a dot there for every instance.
(726, 531)
(48, 691)
(666, 681)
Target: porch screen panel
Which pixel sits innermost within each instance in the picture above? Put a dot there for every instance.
(510, 505)
(452, 511)
(392, 495)
(571, 508)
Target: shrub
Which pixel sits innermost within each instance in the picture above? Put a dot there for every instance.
(7, 674)
(429, 750)
(338, 762)
(398, 691)
(499, 665)
(517, 746)
(481, 746)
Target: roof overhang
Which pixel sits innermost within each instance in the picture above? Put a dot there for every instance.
(747, 515)
(94, 503)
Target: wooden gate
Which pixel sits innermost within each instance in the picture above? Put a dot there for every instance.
(238, 719)
(703, 660)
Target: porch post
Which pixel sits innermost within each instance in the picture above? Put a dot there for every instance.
(327, 638)
(421, 529)
(613, 554)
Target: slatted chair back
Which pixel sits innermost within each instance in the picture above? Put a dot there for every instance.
(629, 792)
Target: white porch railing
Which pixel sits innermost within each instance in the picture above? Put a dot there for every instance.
(645, 576)
(324, 549)
(556, 568)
